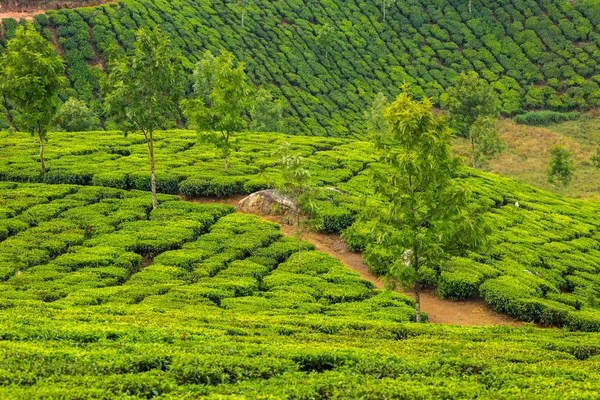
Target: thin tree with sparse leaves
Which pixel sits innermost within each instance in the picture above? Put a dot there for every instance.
(296, 185)
(142, 91)
(221, 100)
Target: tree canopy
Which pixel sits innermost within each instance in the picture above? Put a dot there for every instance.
(221, 99)
(428, 214)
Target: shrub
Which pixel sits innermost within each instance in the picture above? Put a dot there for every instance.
(458, 285)
(331, 218)
(164, 183)
(544, 118)
(585, 321)
(111, 179)
(216, 187)
(66, 176)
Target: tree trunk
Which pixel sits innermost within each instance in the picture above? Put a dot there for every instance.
(152, 171)
(299, 237)
(417, 288)
(227, 162)
(470, 4)
(243, 15)
(383, 8)
(42, 153)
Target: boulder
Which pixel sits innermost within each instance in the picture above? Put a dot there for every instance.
(266, 202)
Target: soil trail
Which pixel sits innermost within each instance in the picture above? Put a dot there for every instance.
(440, 311)
(27, 12)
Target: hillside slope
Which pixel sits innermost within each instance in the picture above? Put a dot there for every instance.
(535, 53)
(527, 154)
(196, 301)
(542, 265)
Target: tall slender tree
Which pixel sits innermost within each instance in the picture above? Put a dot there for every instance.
(426, 216)
(296, 185)
(142, 91)
(31, 76)
(221, 100)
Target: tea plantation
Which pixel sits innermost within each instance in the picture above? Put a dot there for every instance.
(100, 297)
(535, 54)
(541, 265)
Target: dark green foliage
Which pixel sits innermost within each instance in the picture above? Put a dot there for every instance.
(544, 118)
(75, 116)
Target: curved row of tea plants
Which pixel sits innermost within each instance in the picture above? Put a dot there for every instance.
(190, 301)
(535, 54)
(66, 244)
(186, 165)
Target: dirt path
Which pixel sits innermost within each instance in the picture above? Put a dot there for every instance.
(470, 312)
(28, 12)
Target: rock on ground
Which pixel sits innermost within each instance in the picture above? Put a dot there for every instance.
(266, 202)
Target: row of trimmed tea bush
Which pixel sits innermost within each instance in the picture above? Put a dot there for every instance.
(534, 54)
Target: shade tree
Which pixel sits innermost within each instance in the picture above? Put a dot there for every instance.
(561, 167)
(142, 90)
(428, 214)
(31, 77)
(469, 102)
(266, 114)
(75, 116)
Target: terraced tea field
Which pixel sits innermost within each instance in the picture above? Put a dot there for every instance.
(542, 263)
(102, 298)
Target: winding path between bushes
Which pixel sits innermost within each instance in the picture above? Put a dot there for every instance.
(27, 12)
(440, 311)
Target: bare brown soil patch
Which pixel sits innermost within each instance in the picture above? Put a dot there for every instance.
(440, 311)
(16, 10)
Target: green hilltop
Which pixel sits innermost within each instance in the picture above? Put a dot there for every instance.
(536, 54)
